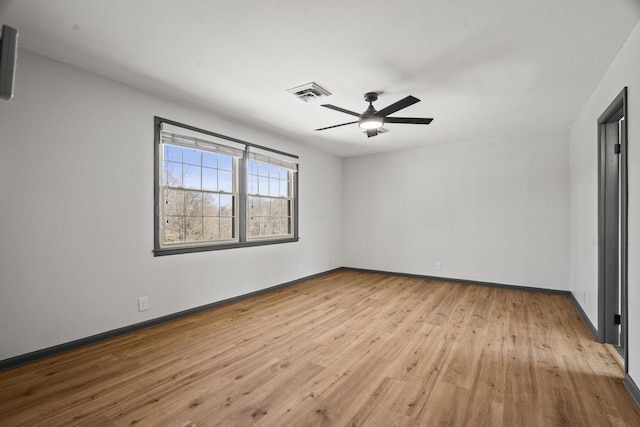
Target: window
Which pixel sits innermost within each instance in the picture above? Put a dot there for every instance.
(217, 192)
(270, 197)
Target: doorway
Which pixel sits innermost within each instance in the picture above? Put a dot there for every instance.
(612, 225)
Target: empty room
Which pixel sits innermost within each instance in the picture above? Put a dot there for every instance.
(319, 213)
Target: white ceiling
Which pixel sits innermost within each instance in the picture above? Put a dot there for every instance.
(481, 68)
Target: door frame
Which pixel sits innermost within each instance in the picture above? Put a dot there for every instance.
(616, 110)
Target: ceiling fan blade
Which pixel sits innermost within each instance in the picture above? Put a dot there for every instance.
(371, 132)
(411, 120)
(342, 110)
(335, 126)
(403, 103)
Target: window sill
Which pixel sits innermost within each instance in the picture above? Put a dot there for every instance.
(192, 249)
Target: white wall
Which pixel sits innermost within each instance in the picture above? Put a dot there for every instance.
(76, 212)
(494, 211)
(624, 71)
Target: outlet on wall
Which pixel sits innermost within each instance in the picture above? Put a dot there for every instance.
(143, 303)
(438, 265)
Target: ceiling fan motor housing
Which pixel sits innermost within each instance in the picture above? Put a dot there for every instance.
(369, 119)
(371, 96)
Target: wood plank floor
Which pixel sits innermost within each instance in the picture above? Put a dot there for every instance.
(346, 349)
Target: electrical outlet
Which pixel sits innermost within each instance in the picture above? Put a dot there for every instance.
(143, 303)
(438, 265)
(585, 298)
(330, 262)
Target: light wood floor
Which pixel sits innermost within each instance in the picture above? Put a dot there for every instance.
(349, 348)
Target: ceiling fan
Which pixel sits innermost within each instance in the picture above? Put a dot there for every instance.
(372, 120)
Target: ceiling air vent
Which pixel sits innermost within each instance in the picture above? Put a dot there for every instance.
(308, 92)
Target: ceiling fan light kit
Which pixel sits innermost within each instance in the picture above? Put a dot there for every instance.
(373, 120)
(371, 123)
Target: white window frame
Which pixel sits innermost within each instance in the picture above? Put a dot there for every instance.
(257, 192)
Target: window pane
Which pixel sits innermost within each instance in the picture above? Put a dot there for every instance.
(226, 205)
(277, 230)
(268, 217)
(173, 229)
(211, 205)
(193, 227)
(252, 207)
(193, 203)
(209, 159)
(274, 171)
(263, 169)
(225, 162)
(284, 174)
(173, 202)
(192, 177)
(209, 179)
(172, 153)
(172, 174)
(252, 167)
(253, 227)
(266, 228)
(276, 208)
(225, 181)
(192, 157)
(274, 187)
(265, 207)
(252, 184)
(211, 228)
(263, 186)
(226, 228)
(284, 188)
